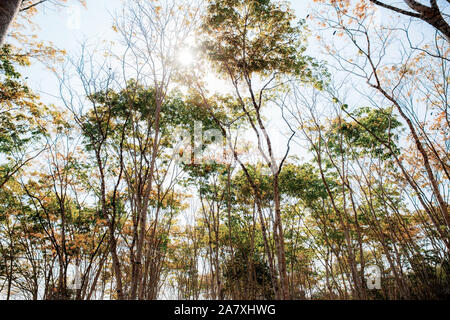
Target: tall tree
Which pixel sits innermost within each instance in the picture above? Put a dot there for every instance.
(255, 44)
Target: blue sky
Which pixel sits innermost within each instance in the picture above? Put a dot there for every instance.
(95, 21)
(94, 24)
(66, 27)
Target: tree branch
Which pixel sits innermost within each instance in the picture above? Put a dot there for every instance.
(398, 10)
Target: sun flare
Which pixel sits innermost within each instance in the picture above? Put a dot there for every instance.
(186, 57)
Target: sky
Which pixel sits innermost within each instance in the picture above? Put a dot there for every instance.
(67, 27)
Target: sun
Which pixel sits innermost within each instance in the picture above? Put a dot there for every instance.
(189, 57)
(186, 57)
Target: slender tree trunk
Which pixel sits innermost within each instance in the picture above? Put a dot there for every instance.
(147, 194)
(10, 273)
(280, 242)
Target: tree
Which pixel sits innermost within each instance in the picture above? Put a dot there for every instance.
(162, 27)
(398, 89)
(21, 117)
(255, 44)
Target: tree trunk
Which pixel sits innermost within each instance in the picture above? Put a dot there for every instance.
(8, 10)
(279, 237)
